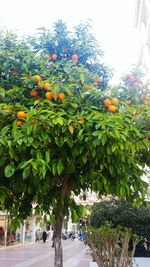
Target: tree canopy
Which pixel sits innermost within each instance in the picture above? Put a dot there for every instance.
(121, 213)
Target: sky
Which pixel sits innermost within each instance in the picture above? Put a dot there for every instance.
(112, 24)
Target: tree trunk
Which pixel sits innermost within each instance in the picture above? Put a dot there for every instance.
(61, 206)
(58, 259)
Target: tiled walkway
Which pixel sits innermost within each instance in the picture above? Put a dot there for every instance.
(42, 255)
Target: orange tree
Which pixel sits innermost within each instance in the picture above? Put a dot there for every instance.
(62, 130)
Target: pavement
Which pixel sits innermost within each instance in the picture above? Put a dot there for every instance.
(39, 254)
(42, 255)
(142, 262)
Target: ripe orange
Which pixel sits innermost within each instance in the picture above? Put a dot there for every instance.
(46, 85)
(19, 123)
(50, 95)
(54, 57)
(74, 57)
(21, 115)
(112, 109)
(107, 102)
(33, 93)
(115, 101)
(37, 78)
(61, 96)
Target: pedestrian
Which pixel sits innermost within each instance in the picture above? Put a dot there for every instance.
(83, 235)
(44, 236)
(53, 238)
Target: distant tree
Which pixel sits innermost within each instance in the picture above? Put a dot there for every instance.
(122, 214)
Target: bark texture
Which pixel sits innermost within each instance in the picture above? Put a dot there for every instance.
(60, 211)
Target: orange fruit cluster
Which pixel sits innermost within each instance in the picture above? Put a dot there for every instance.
(21, 115)
(52, 57)
(111, 104)
(50, 95)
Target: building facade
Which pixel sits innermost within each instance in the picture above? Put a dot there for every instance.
(142, 24)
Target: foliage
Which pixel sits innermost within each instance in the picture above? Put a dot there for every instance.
(110, 246)
(57, 136)
(123, 214)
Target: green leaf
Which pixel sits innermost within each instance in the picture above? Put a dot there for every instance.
(71, 129)
(34, 165)
(54, 168)
(74, 217)
(23, 164)
(9, 169)
(82, 78)
(52, 219)
(47, 156)
(114, 147)
(5, 130)
(2, 93)
(104, 139)
(60, 121)
(60, 167)
(26, 172)
(74, 105)
(121, 146)
(39, 155)
(82, 95)
(3, 141)
(84, 159)
(93, 152)
(70, 142)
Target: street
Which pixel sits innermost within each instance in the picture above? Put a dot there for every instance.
(42, 255)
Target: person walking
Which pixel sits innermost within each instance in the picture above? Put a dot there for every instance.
(44, 236)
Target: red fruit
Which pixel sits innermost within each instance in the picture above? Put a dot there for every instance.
(54, 57)
(33, 93)
(74, 57)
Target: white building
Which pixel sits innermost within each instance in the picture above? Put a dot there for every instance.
(142, 24)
